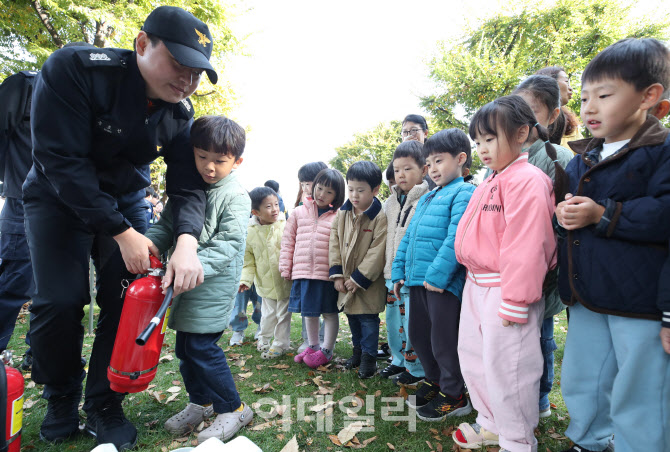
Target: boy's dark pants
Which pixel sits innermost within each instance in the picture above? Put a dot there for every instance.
(365, 332)
(433, 330)
(206, 374)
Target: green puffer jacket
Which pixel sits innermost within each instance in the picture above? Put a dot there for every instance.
(261, 260)
(206, 309)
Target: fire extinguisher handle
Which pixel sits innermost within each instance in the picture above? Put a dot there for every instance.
(144, 336)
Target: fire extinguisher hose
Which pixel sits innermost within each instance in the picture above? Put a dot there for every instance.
(144, 337)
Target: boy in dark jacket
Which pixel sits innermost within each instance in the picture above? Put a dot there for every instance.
(614, 242)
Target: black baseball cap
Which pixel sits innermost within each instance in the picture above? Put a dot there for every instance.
(187, 38)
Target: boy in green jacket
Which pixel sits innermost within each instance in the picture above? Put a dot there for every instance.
(201, 315)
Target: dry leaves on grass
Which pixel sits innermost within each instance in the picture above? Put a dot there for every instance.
(280, 366)
(166, 359)
(245, 375)
(263, 389)
(291, 446)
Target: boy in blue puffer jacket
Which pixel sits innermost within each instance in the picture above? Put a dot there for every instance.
(614, 242)
(426, 263)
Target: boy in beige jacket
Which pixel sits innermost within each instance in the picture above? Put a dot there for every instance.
(356, 258)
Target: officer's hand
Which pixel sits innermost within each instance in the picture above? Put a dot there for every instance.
(135, 249)
(184, 271)
(665, 339)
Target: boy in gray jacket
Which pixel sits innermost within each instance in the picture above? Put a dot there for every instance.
(201, 315)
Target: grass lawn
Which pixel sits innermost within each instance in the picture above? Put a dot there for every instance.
(289, 400)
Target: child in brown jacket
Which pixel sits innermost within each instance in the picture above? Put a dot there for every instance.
(356, 257)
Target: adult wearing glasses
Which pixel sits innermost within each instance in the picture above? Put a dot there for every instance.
(99, 118)
(414, 127)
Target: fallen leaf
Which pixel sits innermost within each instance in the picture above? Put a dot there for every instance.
(291, 446)
(335, 440)
(171, 398)
(348, 432)
(166, 359)
(176, 382)
(323, 406)
(28, 403)
(245, 375)
(30, 385)
(280, 366)
(390, 446)
(174, 389)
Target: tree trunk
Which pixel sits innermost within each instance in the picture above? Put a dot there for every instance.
(100, 34)
(44, 18)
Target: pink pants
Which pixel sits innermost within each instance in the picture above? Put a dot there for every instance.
(501, 366)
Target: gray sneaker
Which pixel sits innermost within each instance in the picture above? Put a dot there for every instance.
(226, 425)
(188, 419)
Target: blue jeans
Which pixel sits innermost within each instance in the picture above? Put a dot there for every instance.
(238, 317)
(548, 346)
(365, 332)
(207, 377)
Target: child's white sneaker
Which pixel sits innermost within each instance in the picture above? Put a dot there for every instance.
(226, 425)
(237, 338)
(258, 332)
(303, 347)
(263, 346)
(188, 419)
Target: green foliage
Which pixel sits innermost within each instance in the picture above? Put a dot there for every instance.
(489, 61)
(30, 30)
(376, 145)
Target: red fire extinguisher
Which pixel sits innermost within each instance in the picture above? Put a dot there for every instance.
(136, 351)
(11, 406)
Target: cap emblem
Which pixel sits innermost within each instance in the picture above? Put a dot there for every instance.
(203, 39)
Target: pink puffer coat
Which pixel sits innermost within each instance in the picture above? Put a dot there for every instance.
(304, 245)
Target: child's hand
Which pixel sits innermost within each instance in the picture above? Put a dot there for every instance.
(579, 212)
(665, 339)
(339, 285)
(507, 323)
(397, 286)
(287, 278)
(243, 288)
(350, 285)
(432, 288)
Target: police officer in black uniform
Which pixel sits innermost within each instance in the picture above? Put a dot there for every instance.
(99, 117)
(16, 273)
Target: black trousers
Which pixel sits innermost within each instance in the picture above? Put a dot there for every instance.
(60, 248)
(433, 330)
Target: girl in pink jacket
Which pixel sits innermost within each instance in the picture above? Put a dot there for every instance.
(304, 259)
(506, 241)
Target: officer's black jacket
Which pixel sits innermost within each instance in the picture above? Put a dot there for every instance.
(93, 138)
(15, 145)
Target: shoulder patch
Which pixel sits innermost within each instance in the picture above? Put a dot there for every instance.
(186, 107)
(93, 57)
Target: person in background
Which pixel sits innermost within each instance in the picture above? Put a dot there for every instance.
(415, 127)
(261, 267)
(273, 184)
(304, 259)
(409, 166)
(306, 175)
(16, 272)
(566, 126)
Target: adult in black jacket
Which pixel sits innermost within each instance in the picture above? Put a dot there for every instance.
(99, 118)
(16, 273)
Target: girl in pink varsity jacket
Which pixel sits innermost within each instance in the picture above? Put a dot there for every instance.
(304, 259)
(506, 241)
